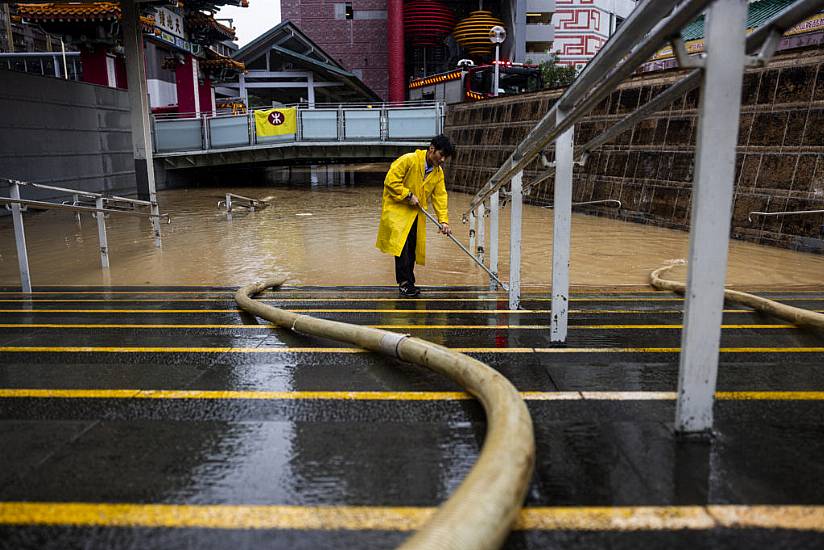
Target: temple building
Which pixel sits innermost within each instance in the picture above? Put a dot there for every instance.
(186, 49)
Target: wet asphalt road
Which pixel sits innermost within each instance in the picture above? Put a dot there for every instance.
(88, 448)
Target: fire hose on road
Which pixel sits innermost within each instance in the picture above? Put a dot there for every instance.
(481, 511)
(795, 315)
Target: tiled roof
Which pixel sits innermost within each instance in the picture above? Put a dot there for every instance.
(200, 19)
(91, 11)
(757, 13)
(217, 61)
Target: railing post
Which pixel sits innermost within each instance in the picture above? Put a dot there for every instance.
(76, 199)
(710, 218)
(101, 233)
(472, 233)
(479, 216)
(154, 210)
(517, 207)
(561, 231)
(20, 239)
(493, 238)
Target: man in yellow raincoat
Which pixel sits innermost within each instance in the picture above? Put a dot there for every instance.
(412, 180)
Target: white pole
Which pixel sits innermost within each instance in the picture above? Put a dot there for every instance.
(493, 238)
(101, 234)
(561, 232)
(719, 110)
(472, 232)
(515, 241)
(20, 239)
(497, 73)
(65, 69)
(481, 227)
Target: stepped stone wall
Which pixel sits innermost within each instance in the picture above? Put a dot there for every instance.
(779, 161)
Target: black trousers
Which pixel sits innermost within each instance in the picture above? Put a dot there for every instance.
(405, 263)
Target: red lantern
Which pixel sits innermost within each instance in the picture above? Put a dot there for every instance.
(426, 23)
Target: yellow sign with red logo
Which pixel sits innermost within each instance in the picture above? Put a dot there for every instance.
(276, 122)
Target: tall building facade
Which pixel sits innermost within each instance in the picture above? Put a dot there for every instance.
(583, 26)
(364, 37)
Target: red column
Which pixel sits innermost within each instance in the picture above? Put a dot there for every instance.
(394, 32)
(186, 86)
(94, 65)
(205, 91)
(120, 72)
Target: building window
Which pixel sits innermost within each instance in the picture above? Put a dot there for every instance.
(538, 47)
(538, 18)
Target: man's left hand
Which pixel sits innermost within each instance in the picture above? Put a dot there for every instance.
(445, 229)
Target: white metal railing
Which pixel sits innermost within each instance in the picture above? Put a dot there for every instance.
(97, 204)
(413, 121)
(719, 74)
(57, 64)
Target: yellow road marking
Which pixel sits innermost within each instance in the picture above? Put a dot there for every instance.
(387, 327)
(578, 518)
(393, 395)
(122, 349)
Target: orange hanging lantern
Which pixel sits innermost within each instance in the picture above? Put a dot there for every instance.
(472, 34)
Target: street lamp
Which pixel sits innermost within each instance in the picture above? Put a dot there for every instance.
(497, 34)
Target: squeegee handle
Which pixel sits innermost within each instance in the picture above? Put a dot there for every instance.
(462, 247)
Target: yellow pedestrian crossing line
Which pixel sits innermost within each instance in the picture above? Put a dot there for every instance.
(406, 519)
(63, 393)
(284, 349)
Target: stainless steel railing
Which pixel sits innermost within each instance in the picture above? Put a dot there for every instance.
(330, 123)
(57, 64)
(719, 74)
(100, 208)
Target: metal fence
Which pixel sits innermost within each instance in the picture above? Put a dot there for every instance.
(719, 74)
(57, 64)
(96, 204)
(320, 123)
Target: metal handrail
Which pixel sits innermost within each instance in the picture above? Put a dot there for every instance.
(611, 202)
(719, 73)
(582, 99)
(78, 192)
(17, 205)
(779, 23)
(12, 55)
(250, 202)
(77, 208)
(794, 213)
(203, 142)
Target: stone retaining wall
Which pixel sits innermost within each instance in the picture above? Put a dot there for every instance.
(779, 164)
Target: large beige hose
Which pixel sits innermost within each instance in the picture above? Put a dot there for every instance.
(795, 315)
(480, 513)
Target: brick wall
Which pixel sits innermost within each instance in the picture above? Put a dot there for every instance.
(779, 164)
(359, 45)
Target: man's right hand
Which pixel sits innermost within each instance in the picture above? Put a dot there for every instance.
(412, 199)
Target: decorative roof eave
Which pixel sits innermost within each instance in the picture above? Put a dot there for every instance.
(63, 13)
(92, 12)
(207, 25)
(216, 61)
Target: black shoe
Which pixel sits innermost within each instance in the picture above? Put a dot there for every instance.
(409, 291)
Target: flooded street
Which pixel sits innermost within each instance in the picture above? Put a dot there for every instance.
(326, 235)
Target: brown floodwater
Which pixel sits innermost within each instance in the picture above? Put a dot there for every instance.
(326, 236)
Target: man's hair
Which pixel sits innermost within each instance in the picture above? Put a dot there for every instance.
(441, 143)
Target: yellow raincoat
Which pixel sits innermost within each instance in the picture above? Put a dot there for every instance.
(405, 175)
